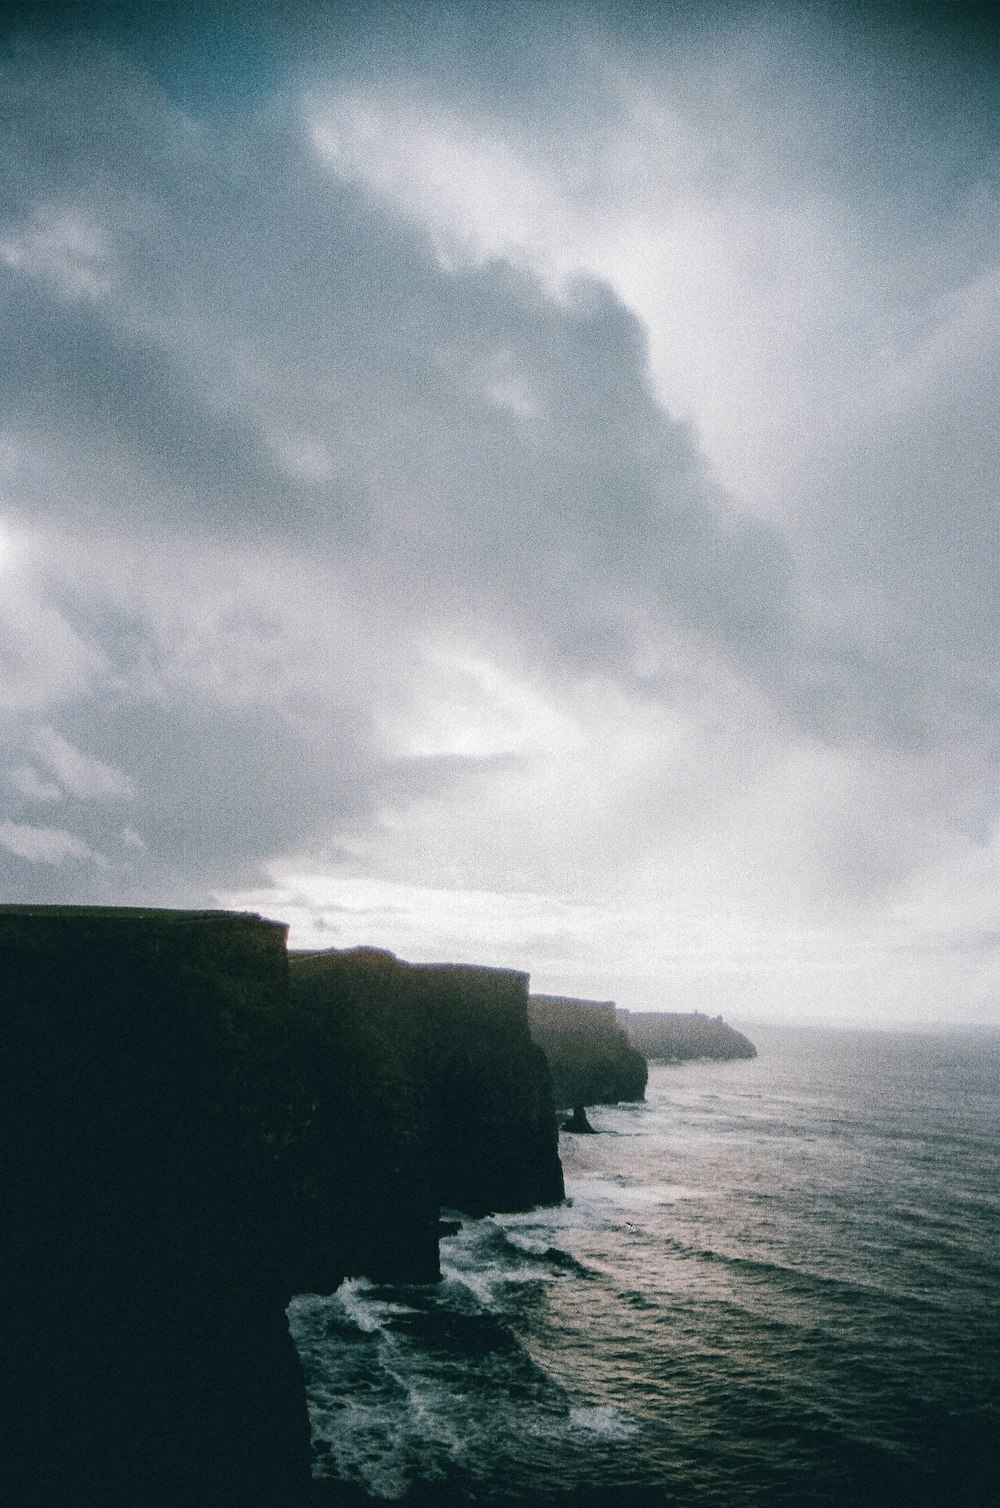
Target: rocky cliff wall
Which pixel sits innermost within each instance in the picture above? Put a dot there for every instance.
(675, 1036)
(187, 1142)
(447, 1100)
(591, 1059)
(146, 1356)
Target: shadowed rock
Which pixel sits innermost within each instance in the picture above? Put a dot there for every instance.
(446, 1099)
(146, 1356)
(187, 1144)
(591, 1059)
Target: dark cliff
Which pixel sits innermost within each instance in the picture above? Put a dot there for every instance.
(188, 1141)
(675, 1037)
(591, 1059)
(445, 1100)
(146, 1356)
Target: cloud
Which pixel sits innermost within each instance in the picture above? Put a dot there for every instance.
(43, 659)
(378, 423)
(43, 845)
(64, 248)
(27, 782)
(78, 774)
(551, 468)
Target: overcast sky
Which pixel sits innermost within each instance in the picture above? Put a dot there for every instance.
(513, 484)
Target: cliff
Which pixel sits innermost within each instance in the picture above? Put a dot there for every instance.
(591, 1059)
(675, 1037)
(193, 1132)
(441, 1098)
(146, 1356)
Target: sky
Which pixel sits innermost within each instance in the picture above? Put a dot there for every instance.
(514, 484)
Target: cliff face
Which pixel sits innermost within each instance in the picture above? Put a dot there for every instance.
(676, 1037)
(187, 1143)
(364, 1159)
(591, 1059)
(146, 1357)
(441, 1098)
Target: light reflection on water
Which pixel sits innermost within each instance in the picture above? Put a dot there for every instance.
(777, 1283)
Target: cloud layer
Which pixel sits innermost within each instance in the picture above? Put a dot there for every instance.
(552, 524)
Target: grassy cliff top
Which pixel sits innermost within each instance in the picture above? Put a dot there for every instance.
(132, 913)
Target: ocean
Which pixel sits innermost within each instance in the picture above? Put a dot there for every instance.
(776, 1282)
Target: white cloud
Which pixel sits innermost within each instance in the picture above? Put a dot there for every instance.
(44, 845)
(80, 774)
(478, 197)
(957, 340)
(44, 659)
(26, 780)
(740, 286)
(63, 246)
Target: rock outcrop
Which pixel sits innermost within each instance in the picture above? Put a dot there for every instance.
(675, 1037)
(578, 1122)
(445, 1099)
(146, 1355)
(193, 1132)
(590, 1057)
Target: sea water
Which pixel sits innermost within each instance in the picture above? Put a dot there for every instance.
(775, 1282)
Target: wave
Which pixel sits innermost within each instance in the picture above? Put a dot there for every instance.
(485, 1258)
(759, 1304)
(600, 1419)
(624, 1191)
(801, 1277)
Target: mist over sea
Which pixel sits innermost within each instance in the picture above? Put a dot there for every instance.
(777, 1283)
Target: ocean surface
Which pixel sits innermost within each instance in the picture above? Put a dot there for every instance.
(776, 1282)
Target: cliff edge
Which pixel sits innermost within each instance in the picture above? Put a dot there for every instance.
(676, 1037)
(194, 1131)
(146, 1355)
(589, 1055)
(445, 1096)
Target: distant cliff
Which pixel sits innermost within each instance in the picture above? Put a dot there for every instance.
(591, 1059)
(443, 1097)
(675, 1036)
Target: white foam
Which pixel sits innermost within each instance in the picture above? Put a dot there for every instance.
(488, 1255)
(532, 1246)
(601, 1419)
(548, 1218)
(623, 1195)
(385, 1409)
(367, 1313)
(365, 1444)
(481, 1285)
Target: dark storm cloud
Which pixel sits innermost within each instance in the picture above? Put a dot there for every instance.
(216, 786)
(123, 417)
(266, 304)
